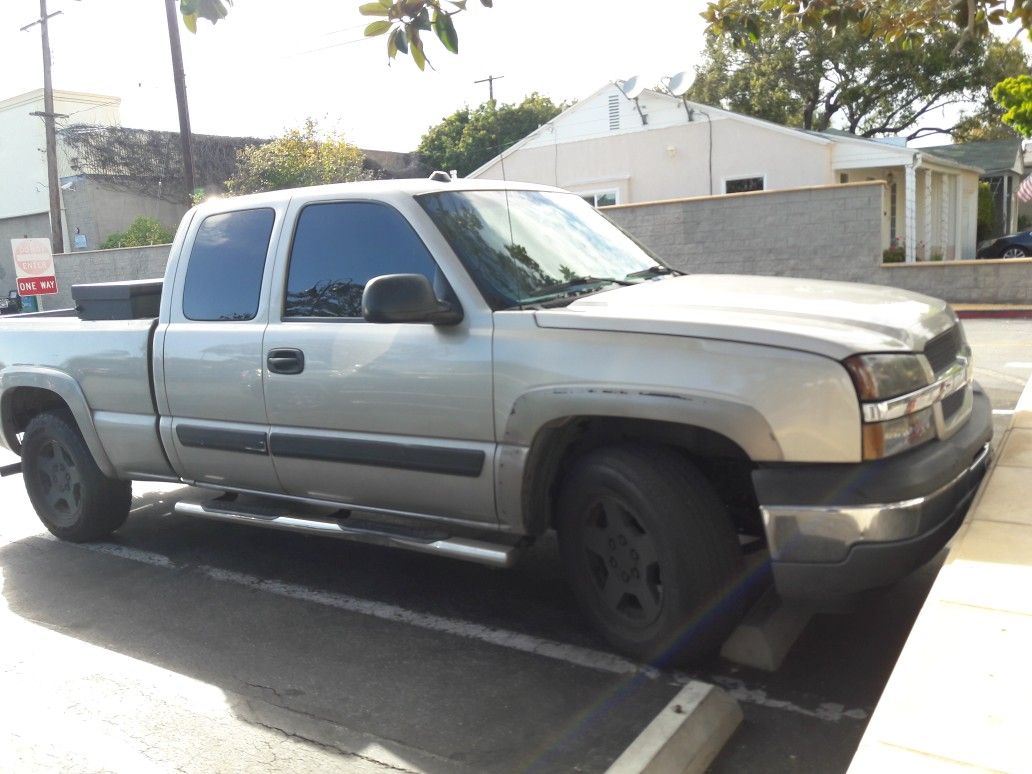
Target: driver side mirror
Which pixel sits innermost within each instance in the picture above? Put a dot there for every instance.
(406, 298)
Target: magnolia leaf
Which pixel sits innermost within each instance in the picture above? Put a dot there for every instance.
(445, 29)
(416, 47)
(377, 28)
(190, 20)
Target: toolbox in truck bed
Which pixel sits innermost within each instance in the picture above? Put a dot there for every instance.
(128, 300)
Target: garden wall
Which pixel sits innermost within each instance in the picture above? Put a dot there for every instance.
(127, 263)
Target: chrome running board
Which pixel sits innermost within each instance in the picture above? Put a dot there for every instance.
(343, 526)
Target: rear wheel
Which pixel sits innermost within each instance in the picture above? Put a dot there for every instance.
(650, 552)
(73, 499)
(1015, 251)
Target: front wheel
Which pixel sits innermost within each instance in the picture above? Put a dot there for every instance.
(73, 499)
(1015, 251)
(650, 553)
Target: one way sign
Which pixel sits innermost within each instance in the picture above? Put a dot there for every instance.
(34, 265)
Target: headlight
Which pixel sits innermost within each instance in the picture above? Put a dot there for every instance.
(883, 439)
(881, 378)
(877, 377)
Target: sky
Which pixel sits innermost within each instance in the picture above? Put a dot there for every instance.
(269, 65)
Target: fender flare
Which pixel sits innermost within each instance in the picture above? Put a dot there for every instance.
(68, 390)
(537, 409)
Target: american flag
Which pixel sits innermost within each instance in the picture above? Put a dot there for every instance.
(1025, 190)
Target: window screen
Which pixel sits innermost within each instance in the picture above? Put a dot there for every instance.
(338, 247)
(224, 277)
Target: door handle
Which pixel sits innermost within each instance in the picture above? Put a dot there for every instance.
(286, 361)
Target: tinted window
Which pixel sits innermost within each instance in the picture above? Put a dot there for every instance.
(224, 277)
(338, 247)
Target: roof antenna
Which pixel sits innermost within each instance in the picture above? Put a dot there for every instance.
(678, 85)
(632, 90)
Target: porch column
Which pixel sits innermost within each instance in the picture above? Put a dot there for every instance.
(944, 213)
(927, 252)
(910, 212)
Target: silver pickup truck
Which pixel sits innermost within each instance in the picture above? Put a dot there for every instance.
(457, 367)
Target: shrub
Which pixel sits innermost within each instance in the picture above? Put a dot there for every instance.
(141, 232)
(895, 253)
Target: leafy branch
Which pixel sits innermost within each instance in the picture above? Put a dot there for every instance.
(404, 21)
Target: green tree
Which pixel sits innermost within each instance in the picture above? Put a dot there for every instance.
(299, 158)
(141, 232)
(469, 137)
(981, 126)
(904, 23)
(815, 78)
(1014, 95)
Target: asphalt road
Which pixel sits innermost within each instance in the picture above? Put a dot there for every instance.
(196, 646)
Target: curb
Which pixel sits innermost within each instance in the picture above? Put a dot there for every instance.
(686, 735)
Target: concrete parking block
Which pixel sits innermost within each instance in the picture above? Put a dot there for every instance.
(685, 736)
(1007, 499)
(767, 633)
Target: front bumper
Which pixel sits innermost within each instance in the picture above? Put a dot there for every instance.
(861, 526)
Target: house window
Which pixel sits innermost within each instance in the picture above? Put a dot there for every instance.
(743, 184)
(600, 198)
(614, 112)
(843, 177)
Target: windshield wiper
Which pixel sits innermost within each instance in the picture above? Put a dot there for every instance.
(580, 281)
(652, 271)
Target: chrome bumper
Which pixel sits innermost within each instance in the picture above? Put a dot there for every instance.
(826, 534)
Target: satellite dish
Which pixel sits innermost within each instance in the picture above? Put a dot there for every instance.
(631, 88)
(679, 84)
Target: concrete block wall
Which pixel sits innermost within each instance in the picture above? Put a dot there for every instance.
(128, 263)
(823, 232)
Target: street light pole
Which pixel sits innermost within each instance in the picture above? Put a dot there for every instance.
(185, 136)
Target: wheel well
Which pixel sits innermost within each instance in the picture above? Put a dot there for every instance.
(558, 446)
(21, 405)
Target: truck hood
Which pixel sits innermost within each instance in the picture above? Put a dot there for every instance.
(835, 319)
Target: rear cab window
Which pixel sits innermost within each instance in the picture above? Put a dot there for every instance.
(226, 265)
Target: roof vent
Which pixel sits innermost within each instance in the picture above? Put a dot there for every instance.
(440, 177)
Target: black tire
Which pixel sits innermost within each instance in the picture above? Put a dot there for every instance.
(73, 499)
(651, 553)
(1016, 251)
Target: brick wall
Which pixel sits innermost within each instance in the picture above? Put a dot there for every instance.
(825, 232)
(127, 263)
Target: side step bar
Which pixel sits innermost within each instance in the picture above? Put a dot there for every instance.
(363, 531)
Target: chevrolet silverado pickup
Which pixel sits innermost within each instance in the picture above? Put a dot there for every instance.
(458, 366)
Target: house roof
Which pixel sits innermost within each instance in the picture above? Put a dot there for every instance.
(994, 156)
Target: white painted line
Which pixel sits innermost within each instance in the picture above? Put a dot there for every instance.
(526, 643)
(539, 646)
(1003, 412)
(1019, 364)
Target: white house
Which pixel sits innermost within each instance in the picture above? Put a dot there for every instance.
(616, 151)
(24, 196)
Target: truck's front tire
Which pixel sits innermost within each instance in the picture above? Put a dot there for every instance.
(73, 499)
(650, 552)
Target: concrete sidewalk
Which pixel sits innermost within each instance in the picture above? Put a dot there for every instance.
(959, 696)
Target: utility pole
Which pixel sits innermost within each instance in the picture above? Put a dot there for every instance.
(489, 80)
(185, 136)
(49, 116)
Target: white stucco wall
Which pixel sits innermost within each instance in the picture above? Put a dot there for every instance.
(23, 161)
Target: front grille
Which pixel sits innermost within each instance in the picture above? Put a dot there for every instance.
(951, 404)
(942, 351)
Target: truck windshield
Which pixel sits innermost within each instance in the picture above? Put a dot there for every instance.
(534, 247)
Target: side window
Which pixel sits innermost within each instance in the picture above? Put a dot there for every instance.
(338, 247)
(224, 275)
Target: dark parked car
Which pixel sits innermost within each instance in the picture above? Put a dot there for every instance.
(1011, 246)
(12, 304)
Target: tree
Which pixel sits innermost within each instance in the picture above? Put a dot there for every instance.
(981, 126)
(1014, 95)
(815, 78)
(141, 232)
(468, 137)
(904, 23)
(299, 158)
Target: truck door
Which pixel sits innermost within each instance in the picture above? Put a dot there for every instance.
(212, 352)
(395, 417)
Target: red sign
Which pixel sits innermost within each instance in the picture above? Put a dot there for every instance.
(37, 286)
